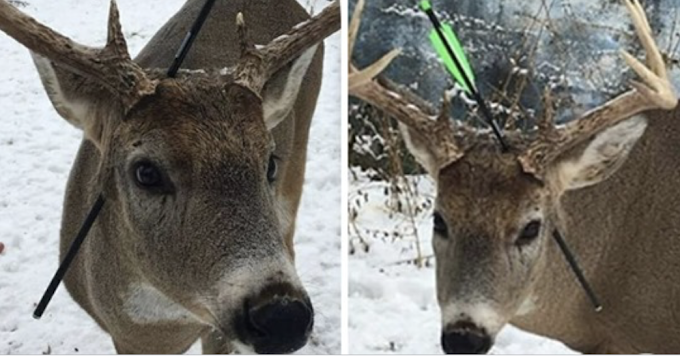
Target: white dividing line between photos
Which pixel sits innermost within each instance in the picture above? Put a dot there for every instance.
(344, 190)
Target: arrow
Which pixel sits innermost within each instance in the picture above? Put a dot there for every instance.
(449, 49)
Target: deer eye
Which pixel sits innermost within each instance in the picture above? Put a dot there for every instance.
(439, 225)
(529, 233)
(147, 175)
(272, 168)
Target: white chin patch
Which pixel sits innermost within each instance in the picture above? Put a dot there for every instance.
(145, 304)
(528, 306)
(481, 314)
(243, 349)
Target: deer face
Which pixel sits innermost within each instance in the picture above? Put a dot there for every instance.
(188, 170)
(191, 173)
(493, 224)
(193, 176)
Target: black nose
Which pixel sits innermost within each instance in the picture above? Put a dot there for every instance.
(468, 340)
(280, 326)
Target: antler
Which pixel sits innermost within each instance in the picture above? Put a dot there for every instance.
(408, 111)
(656, 92)
(258, 65)
(110, 66)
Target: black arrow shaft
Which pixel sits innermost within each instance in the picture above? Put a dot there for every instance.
(189, 38)
(478, 98)
(68, 259)
(569, 256)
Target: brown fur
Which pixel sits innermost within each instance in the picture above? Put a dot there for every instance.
(624, 231)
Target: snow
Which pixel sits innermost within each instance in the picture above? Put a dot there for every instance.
(37, 148)
(392, 303)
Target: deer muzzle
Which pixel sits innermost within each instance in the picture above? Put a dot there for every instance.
(277, 320)
(465, 338)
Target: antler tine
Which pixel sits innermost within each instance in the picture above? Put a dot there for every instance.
(258, 65)
(356, 77)
(110, 66)
(546, 122)
(406, 107)
(354, 24)
(444, 110)
(655, 93)
(403, 106)
(115, 38)
(244, 44)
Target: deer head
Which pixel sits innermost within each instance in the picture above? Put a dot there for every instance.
(187, 169)
(495, 211)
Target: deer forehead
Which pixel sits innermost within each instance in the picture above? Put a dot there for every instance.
(199, 142)
(487, 174)
(170, 121)
(193, 98)
(490, 190)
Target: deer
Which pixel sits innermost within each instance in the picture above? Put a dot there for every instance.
(608, 181)
(202, 173)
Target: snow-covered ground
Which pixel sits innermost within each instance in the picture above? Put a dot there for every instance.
(392, 305)
(37, 148)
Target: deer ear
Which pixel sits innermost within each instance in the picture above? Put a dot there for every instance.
(281, 91)
(420, 149)
(602, 156)
(74, 97)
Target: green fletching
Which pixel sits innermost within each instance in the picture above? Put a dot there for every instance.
(425, 5)
(458, 52)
